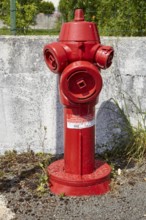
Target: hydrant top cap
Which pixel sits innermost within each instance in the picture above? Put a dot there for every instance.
(79, 15)
(78, 29)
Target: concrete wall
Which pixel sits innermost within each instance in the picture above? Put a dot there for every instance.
(30, 112)
(46, 21)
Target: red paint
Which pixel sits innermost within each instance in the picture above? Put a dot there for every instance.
(78, 57)
(79, 144)
(95, 183)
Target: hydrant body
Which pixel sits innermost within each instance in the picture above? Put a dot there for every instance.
(78, 58)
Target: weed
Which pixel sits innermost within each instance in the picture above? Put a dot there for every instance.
(44, 138)
(2, 173)
(61, 195)
(43, 179)
(136, 146)
(28, 168)
(131, 151)
(136, 149)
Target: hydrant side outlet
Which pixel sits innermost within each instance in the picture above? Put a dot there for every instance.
(78, 57)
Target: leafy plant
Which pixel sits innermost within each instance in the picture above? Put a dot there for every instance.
(113, 17)
(25, 16)
(26, 12)
(46, 7)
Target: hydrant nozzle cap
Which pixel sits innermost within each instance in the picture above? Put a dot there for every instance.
(79, 15)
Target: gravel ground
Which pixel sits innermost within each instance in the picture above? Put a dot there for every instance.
(23, 174)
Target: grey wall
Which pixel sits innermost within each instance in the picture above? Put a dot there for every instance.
(46, 21)
(30, 112)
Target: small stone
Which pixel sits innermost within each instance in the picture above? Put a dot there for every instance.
(132, 183)
(21, 200)
(28, 198)
(13, 190)
(119, 171)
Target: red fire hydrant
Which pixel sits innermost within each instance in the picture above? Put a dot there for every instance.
(78, 57)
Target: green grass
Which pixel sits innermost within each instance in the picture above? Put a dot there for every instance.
(136, 146)
(43, 32)
(5, 32)
(136, 149)
(31, 32)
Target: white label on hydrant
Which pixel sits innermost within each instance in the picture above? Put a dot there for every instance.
(80, 122)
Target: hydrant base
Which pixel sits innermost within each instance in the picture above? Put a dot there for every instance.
(95, 183)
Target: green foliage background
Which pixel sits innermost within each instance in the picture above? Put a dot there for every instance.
(26, 10)
(113, 17)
